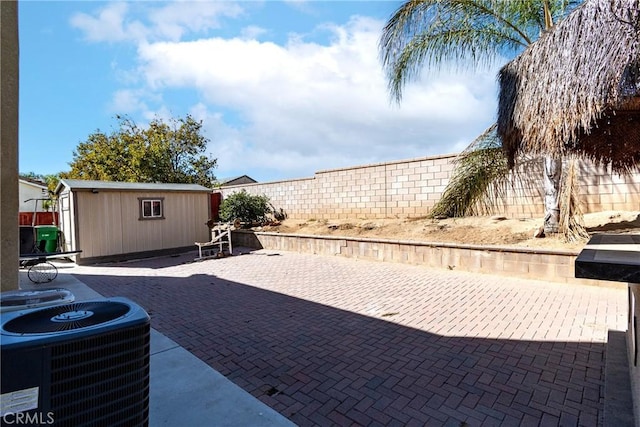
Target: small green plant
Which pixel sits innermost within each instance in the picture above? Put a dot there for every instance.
(246, 207)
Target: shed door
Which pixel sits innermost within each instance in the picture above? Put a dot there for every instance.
(66, 223)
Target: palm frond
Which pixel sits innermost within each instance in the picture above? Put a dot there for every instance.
(435, 32)
(438, 32)
(478, 180)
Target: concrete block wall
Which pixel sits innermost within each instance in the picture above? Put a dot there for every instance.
(599, 189)
(549, 265)
(603, 190)
(410, 188)
(295, 197)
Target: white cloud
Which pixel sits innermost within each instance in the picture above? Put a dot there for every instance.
(306, 106)
(170, 22)
(173, 20)
(253, 32)
(289, 110)
(126, 101)
(109, 24)
(304, 6)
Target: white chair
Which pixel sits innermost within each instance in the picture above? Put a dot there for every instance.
(220, 236)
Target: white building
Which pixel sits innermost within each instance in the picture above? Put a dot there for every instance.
(31, 190)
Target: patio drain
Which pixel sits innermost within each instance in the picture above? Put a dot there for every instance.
(272, 391)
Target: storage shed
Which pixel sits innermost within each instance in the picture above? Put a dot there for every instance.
(122, 220)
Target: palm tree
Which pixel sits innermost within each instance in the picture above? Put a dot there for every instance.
(469, 33)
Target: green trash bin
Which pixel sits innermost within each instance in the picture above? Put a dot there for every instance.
(46, 238)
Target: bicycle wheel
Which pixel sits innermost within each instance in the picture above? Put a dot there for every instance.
(43, 272)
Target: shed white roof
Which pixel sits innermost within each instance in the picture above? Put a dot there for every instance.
(82, 184)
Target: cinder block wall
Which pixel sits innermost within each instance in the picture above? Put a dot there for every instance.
(410, 188)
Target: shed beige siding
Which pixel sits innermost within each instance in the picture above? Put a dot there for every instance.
(108, 222)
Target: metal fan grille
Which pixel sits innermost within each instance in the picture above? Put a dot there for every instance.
(53, 319)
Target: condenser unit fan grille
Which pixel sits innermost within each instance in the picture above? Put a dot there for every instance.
(102, 380)
(67, 317)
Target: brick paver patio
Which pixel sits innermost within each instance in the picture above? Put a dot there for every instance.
(334, 341)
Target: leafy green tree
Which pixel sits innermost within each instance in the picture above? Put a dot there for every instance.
(246, 207)
(170, 152)
(468, 33)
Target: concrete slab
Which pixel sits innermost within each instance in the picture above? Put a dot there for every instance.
(79, 290)
(160, 343)
(186, 391)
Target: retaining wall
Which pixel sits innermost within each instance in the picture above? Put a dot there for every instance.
(547, 265)
(410, 188)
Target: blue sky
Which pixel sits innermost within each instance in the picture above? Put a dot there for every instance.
(284, 88)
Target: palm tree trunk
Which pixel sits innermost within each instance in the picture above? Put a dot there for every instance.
(552, 174)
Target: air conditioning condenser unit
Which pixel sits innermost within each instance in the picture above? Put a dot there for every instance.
(80, 364)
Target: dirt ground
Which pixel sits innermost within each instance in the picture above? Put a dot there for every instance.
(493, 230)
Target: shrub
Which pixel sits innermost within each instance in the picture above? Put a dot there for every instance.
(246, 207)
(278, 214)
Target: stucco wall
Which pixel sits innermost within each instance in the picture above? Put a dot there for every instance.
(410, 188)
(28, 191)
(9, 94)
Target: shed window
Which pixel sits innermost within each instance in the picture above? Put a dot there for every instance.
(151, 208)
